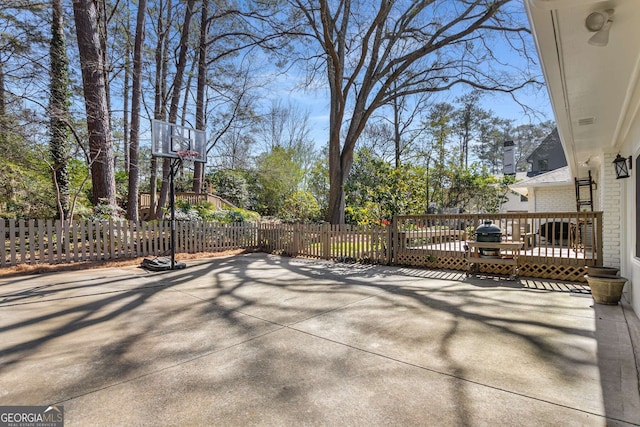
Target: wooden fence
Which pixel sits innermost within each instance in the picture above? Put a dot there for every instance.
(555, 245)
(54, 242)
(368, 244)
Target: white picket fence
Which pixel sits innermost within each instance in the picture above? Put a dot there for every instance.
(54, 242)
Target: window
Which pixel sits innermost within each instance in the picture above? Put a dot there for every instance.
(543, 164)
(524, 198)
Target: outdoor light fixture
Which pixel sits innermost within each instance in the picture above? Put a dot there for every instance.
(600, 24)
(620, 163)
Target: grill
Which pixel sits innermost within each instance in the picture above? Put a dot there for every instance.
(488, 232)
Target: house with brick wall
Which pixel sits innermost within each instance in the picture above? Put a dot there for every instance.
(593, 79)
(548, 185)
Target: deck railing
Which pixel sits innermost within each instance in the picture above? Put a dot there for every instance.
(553, 243)
(144, 200)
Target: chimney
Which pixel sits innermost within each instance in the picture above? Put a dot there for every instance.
(509, 162)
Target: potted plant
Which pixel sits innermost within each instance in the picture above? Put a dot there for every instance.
(594, 270)
(606, 288)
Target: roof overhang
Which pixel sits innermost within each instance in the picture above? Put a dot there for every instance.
(557, 178)
(594, 90)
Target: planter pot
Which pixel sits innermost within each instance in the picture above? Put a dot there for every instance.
(598, 271)
(606, 289)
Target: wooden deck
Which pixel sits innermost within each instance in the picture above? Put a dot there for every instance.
(531, 252)
(555, 245)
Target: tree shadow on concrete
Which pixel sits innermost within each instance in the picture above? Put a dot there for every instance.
(234, 311)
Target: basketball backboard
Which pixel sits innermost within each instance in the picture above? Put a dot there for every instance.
(167, 139)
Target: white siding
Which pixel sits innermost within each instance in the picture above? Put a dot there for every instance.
(514, 203)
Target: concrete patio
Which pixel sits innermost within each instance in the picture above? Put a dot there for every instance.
(265, 340)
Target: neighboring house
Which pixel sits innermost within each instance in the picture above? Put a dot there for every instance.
(593, 80)
(548, 186)
(516, 201)
(549, 192)
(548, 156)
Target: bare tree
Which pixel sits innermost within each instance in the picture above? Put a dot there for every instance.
(163, 24)
(175, 97)
(233, 118)
(136, 93)
(373, 55)
(198, 170)
(527, 138)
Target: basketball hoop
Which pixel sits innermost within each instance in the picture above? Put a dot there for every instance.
(187, 157)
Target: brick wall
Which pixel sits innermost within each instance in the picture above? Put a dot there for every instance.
(610, 194)
(555, 199)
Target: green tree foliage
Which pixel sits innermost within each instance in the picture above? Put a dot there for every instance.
(277, 178)
(439, 129)
(204, 75)
(318, 184)
(25, 192)
(376, 53)
(376, 190)
(231, 185)
(301, 206)
(468, 119)
(491, 193)
(205, 211)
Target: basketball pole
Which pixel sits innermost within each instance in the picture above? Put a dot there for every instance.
(173, 213)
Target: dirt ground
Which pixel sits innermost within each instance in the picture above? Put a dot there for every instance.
(26, 269)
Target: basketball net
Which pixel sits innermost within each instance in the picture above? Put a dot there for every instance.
(187, 157)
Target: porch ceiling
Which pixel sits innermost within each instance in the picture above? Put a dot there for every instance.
(594, 90)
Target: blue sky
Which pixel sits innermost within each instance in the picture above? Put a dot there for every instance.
(503, 105)
(315, 101)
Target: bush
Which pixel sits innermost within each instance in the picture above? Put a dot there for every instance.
(301, 206)
(237, 215)
(104, 211)
(204, 211)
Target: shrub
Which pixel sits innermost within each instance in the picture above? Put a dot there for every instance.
(301, 206)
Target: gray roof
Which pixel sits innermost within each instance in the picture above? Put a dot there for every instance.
(551, 139)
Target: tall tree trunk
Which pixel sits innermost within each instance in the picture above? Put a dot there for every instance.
(3, 107)
(125, 106)
(59, 110)
(103, 24)
(136, 94)
(198, 168)
(175, 99)
(3, 98)
(397, 136)
(96, 105)
(159, 108)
